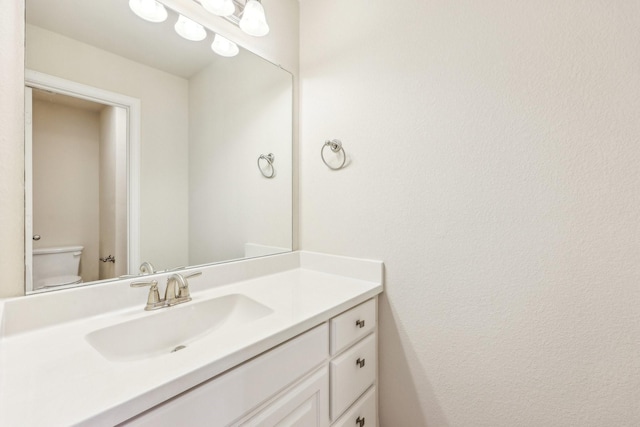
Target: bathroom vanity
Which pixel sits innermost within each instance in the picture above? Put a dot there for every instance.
(287, 339)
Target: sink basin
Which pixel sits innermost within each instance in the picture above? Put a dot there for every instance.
(173, 328)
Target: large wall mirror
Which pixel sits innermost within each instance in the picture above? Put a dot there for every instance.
(143, 146)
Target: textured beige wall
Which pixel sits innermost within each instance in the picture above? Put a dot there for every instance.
(495, 169)
(12, 147)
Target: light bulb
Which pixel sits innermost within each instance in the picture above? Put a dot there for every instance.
(253, 21)
(224, 47)
(219, 7)
(189, 29)
(149, 10)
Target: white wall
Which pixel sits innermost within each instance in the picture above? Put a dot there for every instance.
(239, 108)
(280, 46)
(164, 133)
(66, 180)
(495, 170)
(12, 147)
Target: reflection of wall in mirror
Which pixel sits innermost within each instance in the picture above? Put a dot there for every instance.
(239, 109)
(113, 191)
(164, 160)
(66, 144)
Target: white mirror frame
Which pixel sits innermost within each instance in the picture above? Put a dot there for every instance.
(34, 79)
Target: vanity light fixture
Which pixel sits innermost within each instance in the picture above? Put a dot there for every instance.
(219, 7)
(224, 47)
(189, 29)
(149, 10)
(253, 21)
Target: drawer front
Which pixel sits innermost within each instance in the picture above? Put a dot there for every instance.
(352, 373)
(352, 325)
(226, 398)
(362, 414)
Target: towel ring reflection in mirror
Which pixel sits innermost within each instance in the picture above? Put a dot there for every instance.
(269, 158)
(335, 146)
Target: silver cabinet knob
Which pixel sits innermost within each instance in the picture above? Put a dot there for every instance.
(36, 237)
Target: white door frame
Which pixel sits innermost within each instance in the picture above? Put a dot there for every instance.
(38, 80)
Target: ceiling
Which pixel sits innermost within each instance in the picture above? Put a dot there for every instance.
(110, 25)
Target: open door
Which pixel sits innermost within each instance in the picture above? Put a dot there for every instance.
(28, 190)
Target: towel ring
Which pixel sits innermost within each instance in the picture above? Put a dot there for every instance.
(336, 146)
(269, 158)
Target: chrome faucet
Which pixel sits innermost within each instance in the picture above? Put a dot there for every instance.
(176, 291)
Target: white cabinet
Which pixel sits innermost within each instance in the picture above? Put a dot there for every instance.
(306, 405)
(296, 384)
(354, 366)
(228, 397)
(352, 325)
(352, 373)
(362, 414)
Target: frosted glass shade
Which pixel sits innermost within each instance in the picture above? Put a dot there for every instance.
(189, 29)
(149, 10)
(219, 7)
(224, 47)
(253, 21)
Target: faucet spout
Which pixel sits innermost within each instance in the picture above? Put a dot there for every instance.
(176, 290)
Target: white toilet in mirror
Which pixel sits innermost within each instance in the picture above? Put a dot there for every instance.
(56, 266)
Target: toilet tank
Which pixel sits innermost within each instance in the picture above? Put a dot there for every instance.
(58, 261)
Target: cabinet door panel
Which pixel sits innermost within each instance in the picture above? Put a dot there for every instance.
(228, 397)
(306, 405)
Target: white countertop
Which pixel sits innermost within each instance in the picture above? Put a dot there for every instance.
(50, 375)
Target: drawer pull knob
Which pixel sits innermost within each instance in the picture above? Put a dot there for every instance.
(360, 362)
(360, 421)
(360, 323)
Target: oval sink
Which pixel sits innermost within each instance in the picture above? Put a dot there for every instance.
(168, 329)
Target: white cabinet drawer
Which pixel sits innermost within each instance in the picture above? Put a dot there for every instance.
(352, 325)
(362, 414)
(351, 374)
(224, 399)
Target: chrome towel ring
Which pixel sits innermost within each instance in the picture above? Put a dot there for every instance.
(335, 146)
(269, 158)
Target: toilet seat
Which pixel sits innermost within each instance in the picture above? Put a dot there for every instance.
(52, 282)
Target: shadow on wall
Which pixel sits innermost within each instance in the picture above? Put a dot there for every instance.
(397, 381)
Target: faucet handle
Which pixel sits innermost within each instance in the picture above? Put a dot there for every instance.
(183, 292)
(153, 300)
(152, 283)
